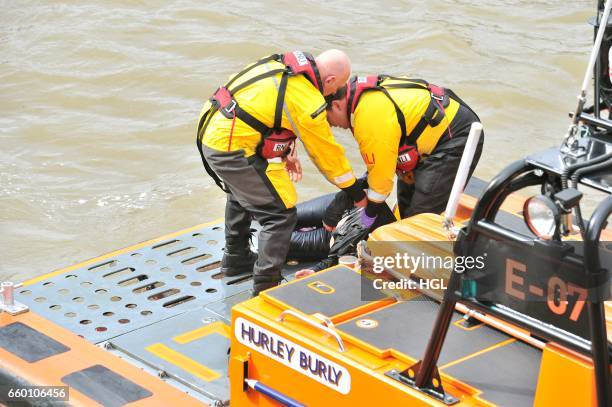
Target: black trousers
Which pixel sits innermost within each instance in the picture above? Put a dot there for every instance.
(434, 176)
(252, 195)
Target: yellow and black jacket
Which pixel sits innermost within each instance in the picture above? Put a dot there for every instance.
(303, 113)
(377, 129)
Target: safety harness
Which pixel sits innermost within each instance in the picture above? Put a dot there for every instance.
(275, 141)
(408, 154)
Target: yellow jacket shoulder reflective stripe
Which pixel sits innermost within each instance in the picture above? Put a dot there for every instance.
(377, 132)
(302, 101)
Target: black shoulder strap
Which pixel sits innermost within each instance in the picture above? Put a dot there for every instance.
(315, 69)
(273, 57)
(454, 96)
(432, 116)
(351, 95)
(241, 113)
(412, 83)
(251, 120)
(280, 101)
(405, 86)
(256, 78)
(209, 170)
(204, 120)
(400, 115)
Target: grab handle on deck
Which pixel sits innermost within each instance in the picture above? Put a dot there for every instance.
(323, 328)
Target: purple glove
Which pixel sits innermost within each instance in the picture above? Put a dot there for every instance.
(367, 221)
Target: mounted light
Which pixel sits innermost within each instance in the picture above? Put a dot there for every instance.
(542, 216)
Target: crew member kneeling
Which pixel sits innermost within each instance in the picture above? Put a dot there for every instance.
(406, 127)
(245, 136)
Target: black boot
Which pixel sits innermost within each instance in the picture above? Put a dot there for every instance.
(236, 264)
(264, 279)
(237, 255)
(259, 286)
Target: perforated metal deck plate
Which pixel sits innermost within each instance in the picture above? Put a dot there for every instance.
(126, 297)
(134, 289)
(137, 288)
(223, 309)
(99, 301)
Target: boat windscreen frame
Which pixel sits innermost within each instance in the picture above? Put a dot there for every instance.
(519, 175)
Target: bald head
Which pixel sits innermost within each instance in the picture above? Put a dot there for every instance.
(334, 68)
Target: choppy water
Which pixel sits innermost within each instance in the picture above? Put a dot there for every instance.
(99, 100)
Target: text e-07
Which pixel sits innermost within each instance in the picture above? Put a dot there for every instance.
(557, 290)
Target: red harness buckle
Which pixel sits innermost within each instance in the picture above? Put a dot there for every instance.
(437, 92)
(224, 101)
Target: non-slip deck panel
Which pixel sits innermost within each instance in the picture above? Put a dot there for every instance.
(105, 386)
(28, 343)
(330, 293)
(191, 348)
(406, 327)
(507, 375)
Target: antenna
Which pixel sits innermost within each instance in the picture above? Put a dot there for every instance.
(461, 177)
(570, 143)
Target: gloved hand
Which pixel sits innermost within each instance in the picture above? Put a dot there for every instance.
(366, 220)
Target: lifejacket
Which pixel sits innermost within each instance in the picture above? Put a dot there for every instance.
(408, 155)
(275, 141)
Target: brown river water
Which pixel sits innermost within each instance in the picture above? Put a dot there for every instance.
(99, 100)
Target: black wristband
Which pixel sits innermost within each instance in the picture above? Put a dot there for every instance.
(373, 208)
(355, 192)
